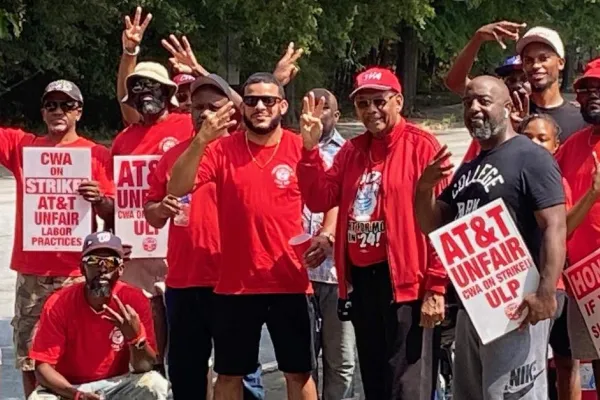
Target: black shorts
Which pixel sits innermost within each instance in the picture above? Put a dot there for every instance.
(238, 325)
(559, 334)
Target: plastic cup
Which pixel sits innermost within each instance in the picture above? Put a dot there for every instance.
(300, 244)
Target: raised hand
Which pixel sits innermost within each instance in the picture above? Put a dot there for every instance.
(311, 126)
(216, 123)
(499, 31)
(521, 108)
(183, 59)
(134, 32)
(126, 319)
(436, 171)
(286, 68)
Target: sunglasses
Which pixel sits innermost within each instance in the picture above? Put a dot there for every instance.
(379, 103)
(268, 101)
(141, 85)
(588, 91)
(109, 264)
(66, 106)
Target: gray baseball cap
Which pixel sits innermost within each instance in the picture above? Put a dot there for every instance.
(66, 87)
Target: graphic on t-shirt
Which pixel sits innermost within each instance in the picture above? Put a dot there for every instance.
(167, 143)
(360, 227)
(282, 175)
(522, 380)
(486, 176)
(116, 339)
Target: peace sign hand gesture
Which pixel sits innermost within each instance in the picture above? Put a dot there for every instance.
(311, 126)
(128, 320)
(134, 32)
(286, 68)
(183, 59)
(436, 170)
(216, 123)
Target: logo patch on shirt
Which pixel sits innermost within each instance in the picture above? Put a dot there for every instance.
(167, 143)
(117, 339)
(282, 175)
(522, 380)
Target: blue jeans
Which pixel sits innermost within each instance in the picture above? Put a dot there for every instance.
(190, 323)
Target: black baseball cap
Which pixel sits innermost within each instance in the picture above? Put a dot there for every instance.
(215, 81)
(102, 241)
(66, 87)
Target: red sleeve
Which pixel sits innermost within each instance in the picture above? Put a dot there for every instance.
(49, 340)
(568, 194)
(209, 165)
(102, 170)
(320, 187)
(9, 146)
(472, 151)
(158, 181)
(141, 305)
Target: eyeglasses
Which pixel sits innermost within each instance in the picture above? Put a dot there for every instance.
(379, 103)
(144, 84)
(109, 264)
(66, 106)
(268, 101)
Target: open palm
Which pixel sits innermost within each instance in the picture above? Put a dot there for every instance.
(182, 58)
(311, 126)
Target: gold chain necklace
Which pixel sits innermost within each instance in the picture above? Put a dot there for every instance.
(254, 158)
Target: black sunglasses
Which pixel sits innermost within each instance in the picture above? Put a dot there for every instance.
(378, 103)
(66, 106)
(143, 84)
(268, 101)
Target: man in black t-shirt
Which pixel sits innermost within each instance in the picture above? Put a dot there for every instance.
(543, 55)
(527, 178)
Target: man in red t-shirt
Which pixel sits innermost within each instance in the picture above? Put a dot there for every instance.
(41, 273)
(259, 207)
(193, 256)
(379, 248)
(184, 93)
(91, 333)
(578, 160)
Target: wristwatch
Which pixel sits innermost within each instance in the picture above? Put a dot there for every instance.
(330, 237)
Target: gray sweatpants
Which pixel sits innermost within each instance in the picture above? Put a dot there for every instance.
(512, 367)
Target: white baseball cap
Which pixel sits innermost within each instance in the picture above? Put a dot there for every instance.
(540, 34)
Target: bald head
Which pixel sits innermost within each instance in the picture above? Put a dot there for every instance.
(330, 99)
(492, 85)
(487, 104)
(331, 113)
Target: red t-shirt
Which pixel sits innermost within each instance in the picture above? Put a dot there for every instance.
(193, 252)
(367, 244)
(472, 151)
(45, 263)
(260, 210)
(577, 165)
(156, 139)
(82, 345)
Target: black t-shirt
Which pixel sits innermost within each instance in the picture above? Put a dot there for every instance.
(567, 116)
(522, 173)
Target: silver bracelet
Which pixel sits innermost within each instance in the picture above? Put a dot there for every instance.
(135, 52)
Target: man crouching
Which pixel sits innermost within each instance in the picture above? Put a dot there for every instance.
(91, 335)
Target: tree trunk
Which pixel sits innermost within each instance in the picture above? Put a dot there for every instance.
(569, 71)
(407, 66)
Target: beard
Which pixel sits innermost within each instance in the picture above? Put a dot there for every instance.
(260, 130)
(592, 117)
(99, 289)
(488, 129)
(540, 87)
(150, 107)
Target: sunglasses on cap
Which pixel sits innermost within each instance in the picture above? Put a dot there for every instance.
(142, 84)
(66, 106)
(268, 101)
(379, 103)
(110, 263)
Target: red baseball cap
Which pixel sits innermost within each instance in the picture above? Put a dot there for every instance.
(592, 71)
(376, 78)
(183, 79)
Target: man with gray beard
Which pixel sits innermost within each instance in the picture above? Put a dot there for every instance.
(527, 178)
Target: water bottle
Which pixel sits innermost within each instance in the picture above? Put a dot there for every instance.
(183, 217)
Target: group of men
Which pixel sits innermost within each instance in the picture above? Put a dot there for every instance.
(233, 188)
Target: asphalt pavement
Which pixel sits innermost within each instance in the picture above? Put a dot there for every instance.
(10, 380)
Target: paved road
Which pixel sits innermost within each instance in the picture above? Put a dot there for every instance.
(10, 384)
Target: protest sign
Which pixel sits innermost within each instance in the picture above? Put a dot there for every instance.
(584, 281)
(489, 266)
(55, 216)
(131, 179)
